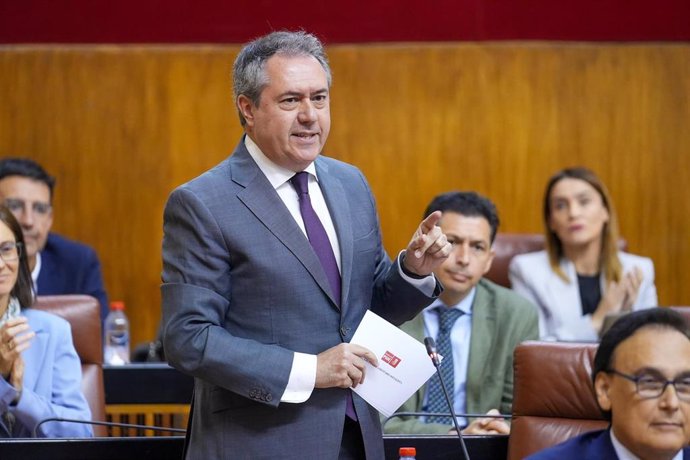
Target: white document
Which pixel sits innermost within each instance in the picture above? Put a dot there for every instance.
(404, 365)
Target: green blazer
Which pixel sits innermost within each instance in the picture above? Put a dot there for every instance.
(501, 320)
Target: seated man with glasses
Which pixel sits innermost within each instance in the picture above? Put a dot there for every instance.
(58, 265)
(641, 376)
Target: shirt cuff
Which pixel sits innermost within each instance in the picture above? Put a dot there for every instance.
(426, 285)
(302, 379)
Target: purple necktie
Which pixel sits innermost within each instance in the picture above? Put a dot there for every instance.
(323, 249)
(316, 233)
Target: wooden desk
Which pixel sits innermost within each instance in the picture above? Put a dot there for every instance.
(146, 394)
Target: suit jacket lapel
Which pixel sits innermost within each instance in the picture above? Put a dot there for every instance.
(415, 327)
(602, 446)
(263, 201)
(35, 354)
(568, 298)
(339, 209)
(50, 275)
(481, 345)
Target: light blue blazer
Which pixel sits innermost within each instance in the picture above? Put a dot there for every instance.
(558, 301)
(52, 383)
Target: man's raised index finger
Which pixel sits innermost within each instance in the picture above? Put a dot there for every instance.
(431, 220)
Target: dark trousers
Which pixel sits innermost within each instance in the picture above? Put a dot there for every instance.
(352, 445)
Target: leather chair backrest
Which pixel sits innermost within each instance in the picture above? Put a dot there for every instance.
(83, 314)
(508, 245)
(553, 396)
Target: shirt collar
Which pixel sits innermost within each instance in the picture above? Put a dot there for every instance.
(36, 271)
(465, 305)
(624, 454)
(276, 174)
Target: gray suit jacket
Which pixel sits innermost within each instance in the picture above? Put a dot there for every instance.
(243, 289)
(559, 303)
(500, 321)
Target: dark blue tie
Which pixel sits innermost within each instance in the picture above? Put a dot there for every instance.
(322, 247)
(436, 401)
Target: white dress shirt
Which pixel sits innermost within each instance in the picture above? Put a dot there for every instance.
(36, 271)
(303, 372)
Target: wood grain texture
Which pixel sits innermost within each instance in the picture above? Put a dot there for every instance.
(121, 126)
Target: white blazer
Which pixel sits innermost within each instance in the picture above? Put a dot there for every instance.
(559, 304)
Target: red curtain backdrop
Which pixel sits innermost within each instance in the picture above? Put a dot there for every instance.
(355, 21)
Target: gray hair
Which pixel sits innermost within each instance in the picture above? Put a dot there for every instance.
(248, 72)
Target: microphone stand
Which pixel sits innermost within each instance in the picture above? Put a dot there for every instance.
(111, 424)
(431, 350)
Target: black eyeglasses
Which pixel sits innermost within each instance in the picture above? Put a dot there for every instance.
(10, 251)
(650, 386)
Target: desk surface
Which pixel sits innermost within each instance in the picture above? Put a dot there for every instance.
(444, 447)
(146, 383)
(428, 448)
(93, 449)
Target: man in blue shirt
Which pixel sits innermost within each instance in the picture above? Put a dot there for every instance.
(487, 323)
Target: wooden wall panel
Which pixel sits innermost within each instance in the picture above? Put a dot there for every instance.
(121, 126)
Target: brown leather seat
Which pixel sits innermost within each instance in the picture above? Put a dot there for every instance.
(508, 245)
(83, 314)
(553, 397)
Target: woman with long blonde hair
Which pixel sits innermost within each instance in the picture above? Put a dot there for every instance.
(582, 276)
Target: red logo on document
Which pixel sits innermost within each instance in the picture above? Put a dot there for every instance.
(391, 359)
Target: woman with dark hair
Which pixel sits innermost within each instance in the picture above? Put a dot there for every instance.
(581, 276)
(40, 372)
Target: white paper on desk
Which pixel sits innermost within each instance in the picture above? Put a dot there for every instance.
(404, 365)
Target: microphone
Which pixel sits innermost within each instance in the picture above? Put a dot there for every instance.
(433, 354)
(431, 351)
(112, 424)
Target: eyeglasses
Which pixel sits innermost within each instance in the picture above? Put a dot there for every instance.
(650, 386)
(10, 251)
(40, 208)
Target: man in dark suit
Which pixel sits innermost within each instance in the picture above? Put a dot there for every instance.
(58, 265)
(260, 303)
(641, 376)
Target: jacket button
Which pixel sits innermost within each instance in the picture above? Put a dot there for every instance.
(269, 398)
(343, 331)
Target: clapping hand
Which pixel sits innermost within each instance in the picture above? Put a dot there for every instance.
(15, 337)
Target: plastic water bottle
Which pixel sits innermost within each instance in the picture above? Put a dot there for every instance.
(407, 453)
(116, 347)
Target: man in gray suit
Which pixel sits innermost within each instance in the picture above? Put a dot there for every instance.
(255, 307)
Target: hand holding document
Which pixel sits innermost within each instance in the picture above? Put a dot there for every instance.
(404, 365)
